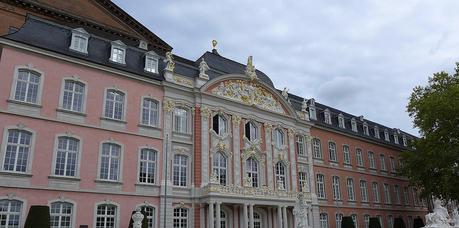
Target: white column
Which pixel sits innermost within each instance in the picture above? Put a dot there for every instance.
(270, 221)
(211, 215)
(245, 219)
(279, 216)
(284, 219)
(236, 147)
(251, 215)
(202, 215)
(217, 211)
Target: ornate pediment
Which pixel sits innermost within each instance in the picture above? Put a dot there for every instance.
(249, 93)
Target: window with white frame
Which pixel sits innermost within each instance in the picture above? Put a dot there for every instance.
(252, 171)
(303, 181)
(67, 154)
(79, 41)
(365, 129)
(350, 189)
(278, 137)
(323, 219)
(359, 157)
(406, 197)
(181, 120)
(118, 52)
(73, 96)
(61, 215)
(251, 131)
(366, 220)
(393, 166)
(150, 213)
(220, 167)
(106, 216)
(300, 145)
(10, 213)
(281, 176)
(405, 142)
(375, 188)
(317, 148)
(382, 159)
(341, 123)
(363, 191)
(320, 186)
(371, 160)
(398, 199)
(151, 62)
(180, 218)
(386, 135)
(339, 219)
(150, 112)
(147, 166)
(336, 188)
(327, 116)
(346, 155)
(380, 220)
(332, 151)
(110, 162)
(395, 138)
(387, 199)
(114, 104)
(180, 170)
(312, 109)
(219, 124)
(353, 125)
(27, 88)
(18, 150)
(376, 129)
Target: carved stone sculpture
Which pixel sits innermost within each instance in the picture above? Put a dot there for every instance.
(214, 178)
(301, 212)
(455, 218)
(439, 218)
(170, 65)
(137, 217)
(247, 181)
(250, 69)
(203, 67)
(285, 93)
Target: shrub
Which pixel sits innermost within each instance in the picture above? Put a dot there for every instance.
(418, 223)
(38, 217)
(399, 223)
(144, 221)
(347, 222)
(374, 223)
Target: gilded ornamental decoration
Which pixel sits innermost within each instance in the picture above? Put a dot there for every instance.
(249, 93)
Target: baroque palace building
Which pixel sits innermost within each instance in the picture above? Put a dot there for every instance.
(98, 118)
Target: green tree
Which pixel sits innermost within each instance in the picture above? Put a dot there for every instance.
(433, 165)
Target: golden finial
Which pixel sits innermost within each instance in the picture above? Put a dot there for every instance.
(214, 44)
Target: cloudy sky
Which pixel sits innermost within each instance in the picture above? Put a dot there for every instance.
(360, 56)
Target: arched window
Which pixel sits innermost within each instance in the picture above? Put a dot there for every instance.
(366, 219)
(323, 220)
(150, 212)
(181, 120)
(339, 218)
(106, 216)
(110, 162)
(320, 186)
(114, 104)
(256, 220)
(251, 131)
(332, 151)
(150, 112)
(10, 213)
(336, 188)
(220, 167)
(27, 88)
(67, 155)
(346, 155)
(317, 148)
(180, 170)
(61, 214)
(180, 219)
(147, 166)
(252, 171)
(73, 96)
(278, 137)
(219, 124)
(350, 189)
(280, 175)
(18, 150)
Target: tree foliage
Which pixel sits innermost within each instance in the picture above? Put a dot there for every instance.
(433, 165)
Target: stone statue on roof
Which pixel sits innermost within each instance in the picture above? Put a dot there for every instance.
(285, 93)
(170, 65)
(203, 67)
(250, 69)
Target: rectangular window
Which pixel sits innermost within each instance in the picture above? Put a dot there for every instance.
(359, 157)
(350, 189)
(341, 121)
(393, 166)
(67, 156)
(375, 188)
(353, 125)
(150, 112)
(365, 129)
(376, 132)
(397, 194)
(323, 220)
(383, 162)
(151, 64)
(118, 55)
(346, 154)
(79, 40)
(406, 197)
(387, 199)
(114, 105)
(180, 170)
(27, 86)
(18, 149)
(181, 120)
(300, 145)
(320, 186)
(363, 191)
(73, 96)
(336, 188)
(61, 215)
(332, 151)
(366, 219)
(371, 160)
(147, 166)
(386, 135)
(106, 215)
(304, 183)
(180, 219)
(317, 148)
(110, 162)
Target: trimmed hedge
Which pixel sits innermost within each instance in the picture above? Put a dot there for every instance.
(144, 220)
(347, 222)
(38, 217)
(374, 223)
(399, 223)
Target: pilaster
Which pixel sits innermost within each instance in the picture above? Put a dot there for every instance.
(236, 149)
(269, 157)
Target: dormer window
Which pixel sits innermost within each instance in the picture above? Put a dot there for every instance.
(341, 121)
(365, 129)
(79, 42)
(327, 116)
(386, 135)
(118, 53)
(376, 132)
(354, 125)
(151, 62)
(395, 138)
(405, 143)
(312, 109)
